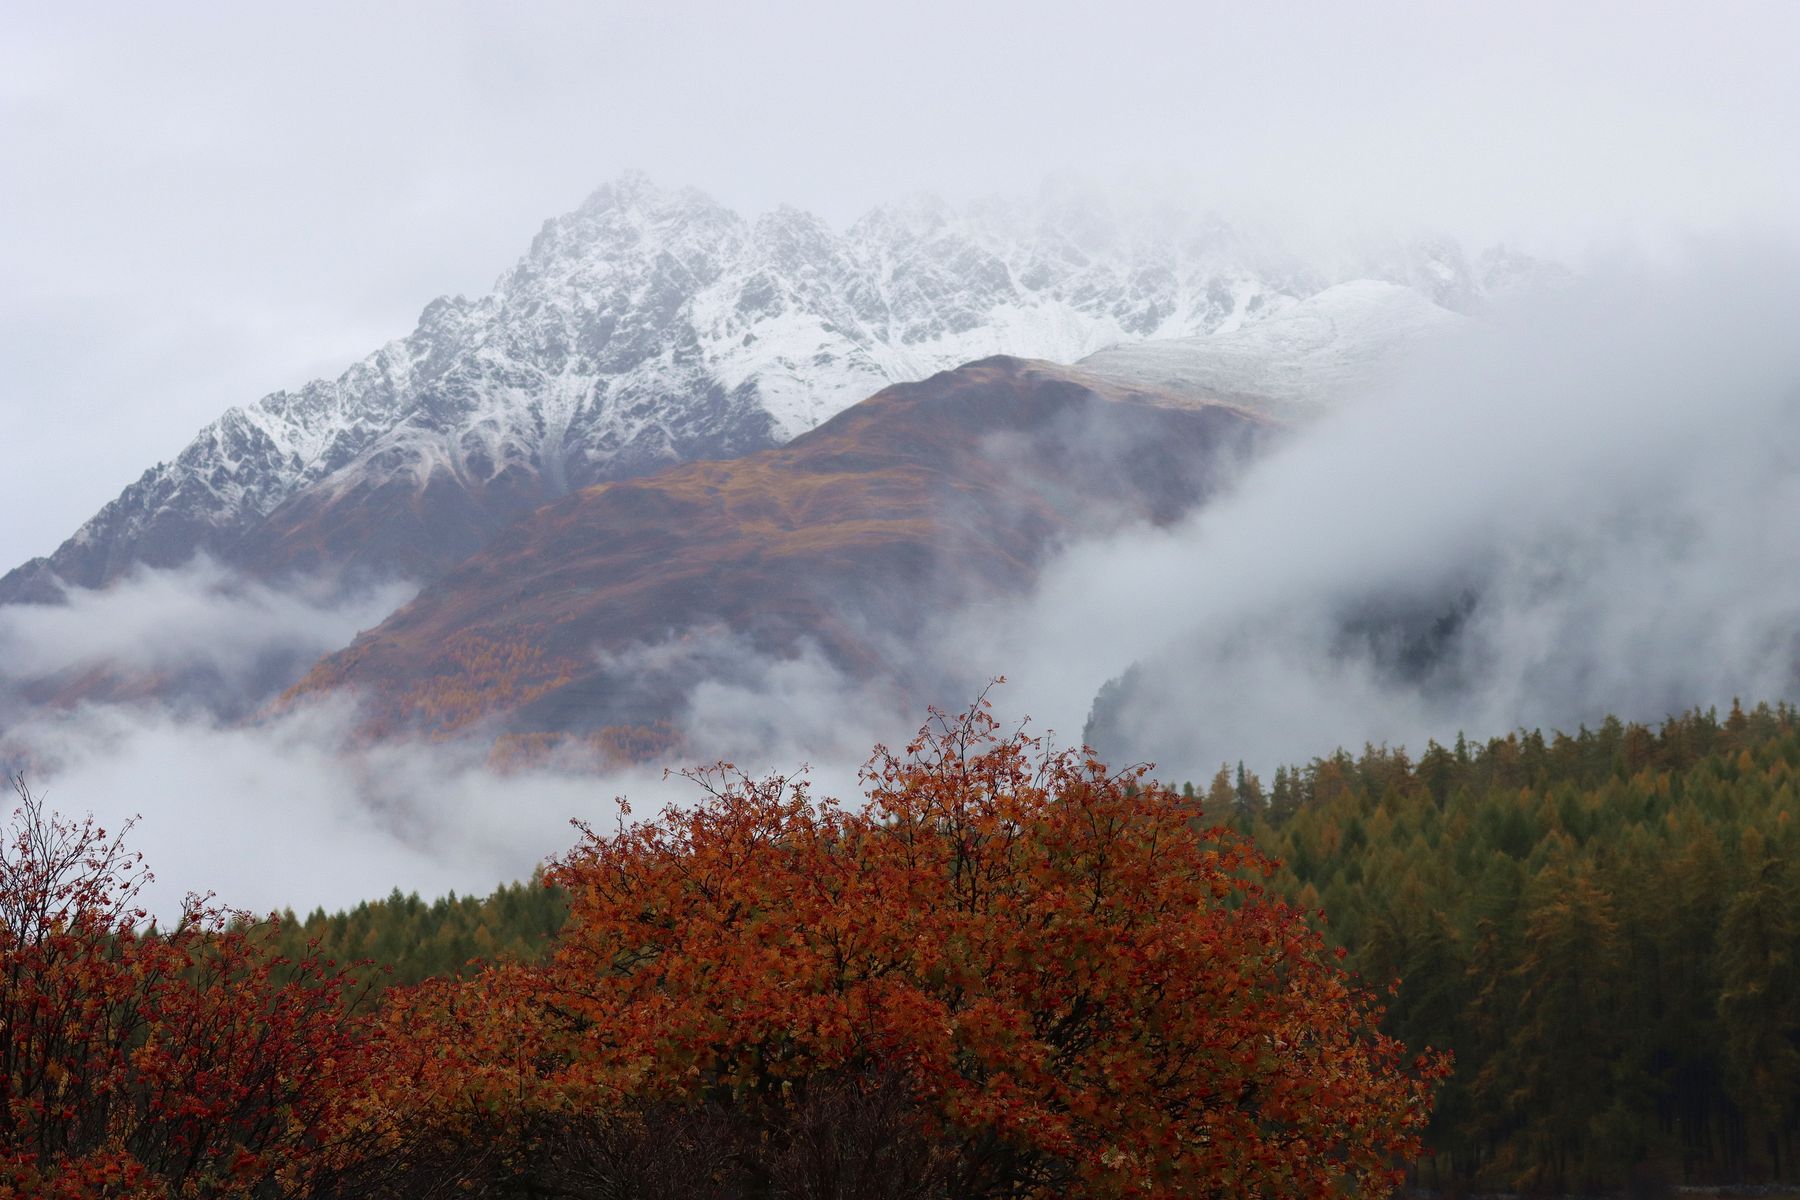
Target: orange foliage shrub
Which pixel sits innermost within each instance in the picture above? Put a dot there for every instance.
(1079, 989)
(146, 1064)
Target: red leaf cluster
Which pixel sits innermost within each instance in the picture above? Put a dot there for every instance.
(147, 1063)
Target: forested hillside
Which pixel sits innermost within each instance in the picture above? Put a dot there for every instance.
(1603, 927)
(412, 940)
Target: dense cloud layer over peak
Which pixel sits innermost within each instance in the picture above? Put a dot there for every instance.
(1582, 506)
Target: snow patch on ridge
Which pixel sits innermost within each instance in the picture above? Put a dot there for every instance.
(1321, 351)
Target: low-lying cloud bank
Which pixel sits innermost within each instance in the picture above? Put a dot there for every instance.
(1588, 504)
(210, 639)
(299, 809)
(293, 812)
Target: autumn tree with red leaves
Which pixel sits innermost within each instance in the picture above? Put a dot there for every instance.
(1020, 972)
(144, 1063)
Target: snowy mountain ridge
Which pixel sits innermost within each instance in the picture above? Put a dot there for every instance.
(1295, 365)
(652, 326)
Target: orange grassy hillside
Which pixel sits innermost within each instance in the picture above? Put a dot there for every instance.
(923, 496)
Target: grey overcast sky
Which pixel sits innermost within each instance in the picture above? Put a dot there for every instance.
(203, 203)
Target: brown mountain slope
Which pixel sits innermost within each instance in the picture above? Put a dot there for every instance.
(601, 610)
(387, 527)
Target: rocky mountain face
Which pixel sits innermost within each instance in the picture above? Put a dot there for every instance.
(598, 614)
(651, 327)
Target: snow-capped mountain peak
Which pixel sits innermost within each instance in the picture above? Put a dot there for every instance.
(649, 326)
